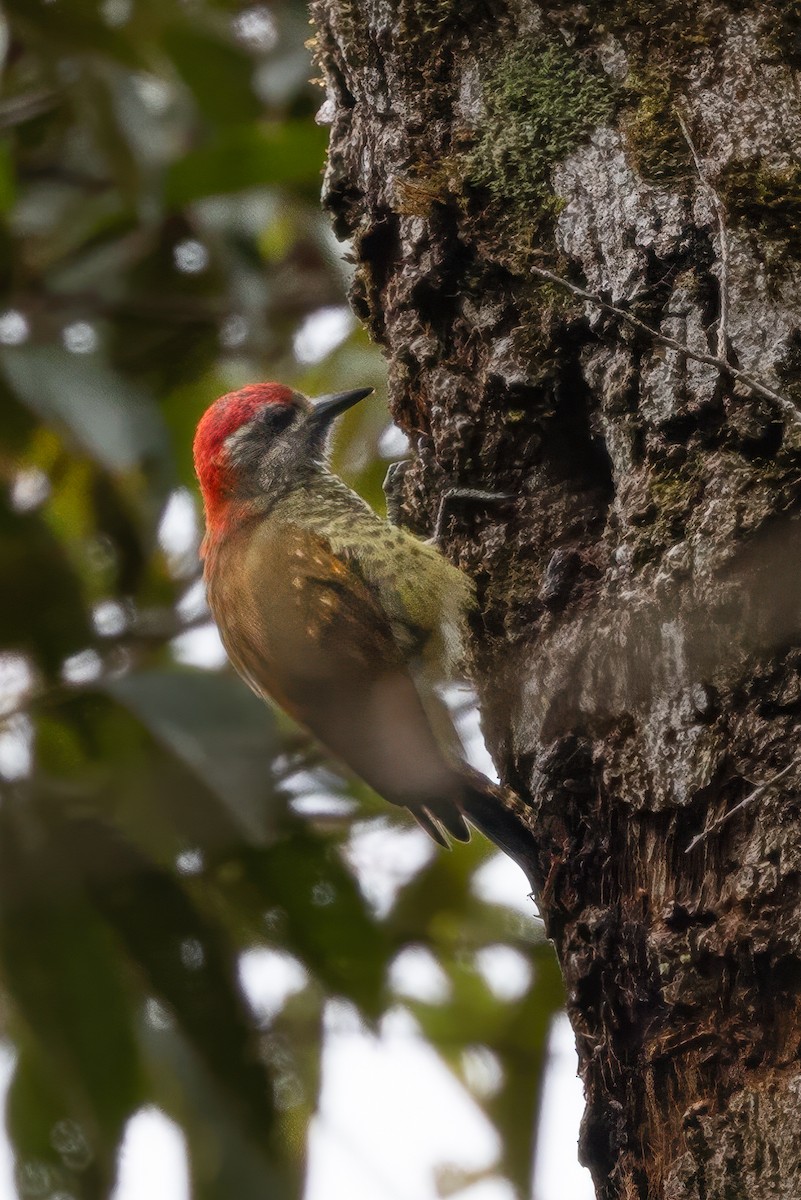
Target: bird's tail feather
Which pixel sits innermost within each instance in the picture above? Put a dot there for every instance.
(441, 820)
(495, 811)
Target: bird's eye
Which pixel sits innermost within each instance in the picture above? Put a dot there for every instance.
(275, 419)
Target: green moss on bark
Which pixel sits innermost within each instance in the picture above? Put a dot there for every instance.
(788, 372)
(671, 31)
(541, 101)
(433, 19)
(657, 146)
(671, 498)
(786, 41)
(545, 314)
(762, 199)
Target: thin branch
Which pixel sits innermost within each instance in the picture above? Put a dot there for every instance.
(720, 213)
(137, 641)
(711, 360)
(758, 791)
(19, 109)
(167, 308)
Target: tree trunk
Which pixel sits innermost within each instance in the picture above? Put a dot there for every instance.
(638, 651)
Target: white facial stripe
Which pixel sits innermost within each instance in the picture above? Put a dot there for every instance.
(233, 441)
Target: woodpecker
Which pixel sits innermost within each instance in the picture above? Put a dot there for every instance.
(346, 621)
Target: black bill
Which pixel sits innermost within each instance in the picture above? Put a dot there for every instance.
(326, 408)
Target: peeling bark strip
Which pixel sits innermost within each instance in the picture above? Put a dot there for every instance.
(640, 656)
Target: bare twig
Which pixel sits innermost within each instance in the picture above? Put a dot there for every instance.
(142, 637)
(16, 110)
(758, 791)
(720, 213)
(782, 402)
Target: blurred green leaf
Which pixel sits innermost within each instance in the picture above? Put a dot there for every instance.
(515, 1108)
(8, 186)
(516, 1032)
(250, 156)
(439, 901)
(71, 24)
(217, 72)
(63, 973)
(42, 610)
(115, 421)
(224, 1162)
(218, 728)
(18, 422)
(116, 521)
(51, 1147)
(327, 922)
(185, 960)
(95, 104)
(122, 774)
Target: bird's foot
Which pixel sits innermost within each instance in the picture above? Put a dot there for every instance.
(456, 495)
(392, 487)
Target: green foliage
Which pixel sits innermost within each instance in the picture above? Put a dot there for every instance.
(541, 101)
(162, 243)
(242, 158)
(41, 604)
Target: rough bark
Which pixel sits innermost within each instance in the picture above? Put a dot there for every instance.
(638, 653)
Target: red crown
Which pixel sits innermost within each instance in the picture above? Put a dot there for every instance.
(230, 413)
(218, 422)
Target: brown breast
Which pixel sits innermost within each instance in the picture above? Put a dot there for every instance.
(304, 629)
